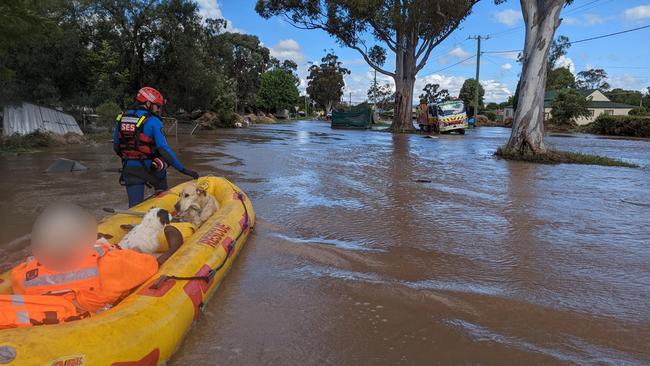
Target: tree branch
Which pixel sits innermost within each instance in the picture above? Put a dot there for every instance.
(383, 35)
(433, 45)
(369, 61)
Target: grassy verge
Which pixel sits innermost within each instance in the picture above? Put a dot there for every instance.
(561, 157)
(38, 140)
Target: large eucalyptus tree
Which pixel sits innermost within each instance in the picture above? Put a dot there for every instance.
(409, 29)
(541, 18)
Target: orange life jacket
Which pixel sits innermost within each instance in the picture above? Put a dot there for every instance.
(27, 310)
(80, 286)
(43, 296)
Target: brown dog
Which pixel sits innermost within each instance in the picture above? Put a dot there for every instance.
(195, 205)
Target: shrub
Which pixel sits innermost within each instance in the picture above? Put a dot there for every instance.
(107, 112)
(227, 118)
(31, 141)
(641, 111)
(491, 115)
(560, 157)
(634, 126)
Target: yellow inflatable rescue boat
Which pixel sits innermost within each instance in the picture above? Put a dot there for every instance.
(145, 328)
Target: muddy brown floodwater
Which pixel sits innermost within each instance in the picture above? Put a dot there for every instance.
(383, 249)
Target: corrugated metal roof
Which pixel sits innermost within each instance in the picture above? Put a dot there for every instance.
(608, 104)
(27, 118)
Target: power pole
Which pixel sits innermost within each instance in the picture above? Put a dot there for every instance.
(350, 101)
(478, 69)
(374, 97)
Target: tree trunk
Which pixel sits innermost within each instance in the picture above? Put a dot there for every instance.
(542, 19)
(402, 119)
(404, 81)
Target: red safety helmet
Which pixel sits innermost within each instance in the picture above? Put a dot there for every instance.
(149, 94)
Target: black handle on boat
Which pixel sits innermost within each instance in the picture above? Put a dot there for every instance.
(124, 212)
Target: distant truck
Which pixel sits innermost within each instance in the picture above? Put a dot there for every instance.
(443, 117)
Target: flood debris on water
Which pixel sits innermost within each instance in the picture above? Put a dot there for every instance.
(63, 165)
(561, 157)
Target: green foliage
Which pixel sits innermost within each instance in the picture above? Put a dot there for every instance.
(632, 97)
(227, 118)
(592, 79)
(107, 112)
(84, 53)
(244, 60)
(561, 157)
(278, 91)
(431, 94)
(492, 106)
(634, 126)
(560, 78)
(467, 93)
(558, 49)
(639, 112)
(382, 95)
(567, 106)
(325, 81)
(491, 115)
(33, 141)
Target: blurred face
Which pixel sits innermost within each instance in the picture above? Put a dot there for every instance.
(62, 236)
(155, 108)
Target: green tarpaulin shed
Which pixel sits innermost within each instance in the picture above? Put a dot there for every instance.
(357, 119)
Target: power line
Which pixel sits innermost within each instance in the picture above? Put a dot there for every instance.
(573, 11)
(610, 34)
(586, 39)
(452, 65)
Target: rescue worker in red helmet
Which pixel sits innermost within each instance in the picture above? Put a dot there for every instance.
(139, 141)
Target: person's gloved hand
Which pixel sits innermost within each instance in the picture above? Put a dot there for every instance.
(191, 173)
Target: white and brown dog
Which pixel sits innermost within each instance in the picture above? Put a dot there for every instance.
(144, 236)
(195, 205)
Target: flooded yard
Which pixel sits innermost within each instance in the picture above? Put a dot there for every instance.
(373, 248)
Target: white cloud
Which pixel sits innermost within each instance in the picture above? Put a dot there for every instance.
(451, 83)
(210, 9)
(508, 17)
(458, 53)
(638, 12)
(495, 91)
(567, 62)
(625, 81)
(593, 19)
(506, 67)
(288, 49)
(587, 20)
(355, 61)
(510, 55)
(570, 21)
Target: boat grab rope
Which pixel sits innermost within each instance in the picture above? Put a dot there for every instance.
(213, 271)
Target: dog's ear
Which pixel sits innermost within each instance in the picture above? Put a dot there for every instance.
(163, 216)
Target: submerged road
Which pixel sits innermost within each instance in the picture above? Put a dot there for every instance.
(373, 248)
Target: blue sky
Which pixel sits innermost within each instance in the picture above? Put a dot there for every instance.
(626, 57)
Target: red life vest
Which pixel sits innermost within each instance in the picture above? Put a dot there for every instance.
(132, 142)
